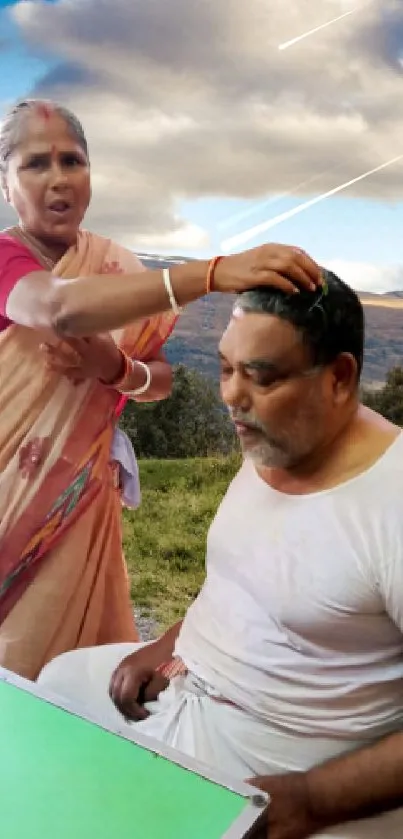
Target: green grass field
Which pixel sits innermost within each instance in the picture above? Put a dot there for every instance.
(164, 540)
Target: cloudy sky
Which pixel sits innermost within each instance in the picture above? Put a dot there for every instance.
(210, 131)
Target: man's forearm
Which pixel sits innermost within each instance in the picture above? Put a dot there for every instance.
(361, 784)
(161, 651)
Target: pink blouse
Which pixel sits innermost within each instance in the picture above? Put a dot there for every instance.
(16, 261)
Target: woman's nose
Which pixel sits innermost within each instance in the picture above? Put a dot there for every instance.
(58, 176)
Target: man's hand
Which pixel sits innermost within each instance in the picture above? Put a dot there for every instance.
(132, 685)
(288, 815)
(135, 681)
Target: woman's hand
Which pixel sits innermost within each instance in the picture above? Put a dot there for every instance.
(97, 357)
(280, 266)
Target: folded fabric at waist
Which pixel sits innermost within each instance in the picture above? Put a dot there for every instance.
(122, 453)
(176, 667)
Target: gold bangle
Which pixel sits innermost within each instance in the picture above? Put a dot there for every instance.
(143, 388)
(170, 292)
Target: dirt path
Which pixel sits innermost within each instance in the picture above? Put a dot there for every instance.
(146, 625)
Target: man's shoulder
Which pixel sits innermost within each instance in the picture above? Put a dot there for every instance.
(386, 471)
(378, 447)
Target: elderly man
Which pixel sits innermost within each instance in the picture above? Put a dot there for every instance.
(288, 668)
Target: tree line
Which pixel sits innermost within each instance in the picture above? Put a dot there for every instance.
(191, 423)
(194, 423)
(388, 400)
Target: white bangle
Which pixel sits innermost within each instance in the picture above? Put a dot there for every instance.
(143, 388)
(168, 285)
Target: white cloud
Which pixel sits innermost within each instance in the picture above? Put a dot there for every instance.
(188, 237)
(182, 99)
(376, 279)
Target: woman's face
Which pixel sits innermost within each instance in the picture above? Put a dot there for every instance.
(48, 180)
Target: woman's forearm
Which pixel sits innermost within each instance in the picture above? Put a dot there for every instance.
(160, 385)
(121, 298)
(91, 305)
(85, 306)
(161, 382)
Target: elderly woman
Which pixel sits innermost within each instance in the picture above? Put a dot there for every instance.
(82, 326)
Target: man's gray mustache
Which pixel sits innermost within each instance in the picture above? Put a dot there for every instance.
(244, 419)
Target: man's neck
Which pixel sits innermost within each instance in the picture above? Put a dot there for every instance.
(354, 447)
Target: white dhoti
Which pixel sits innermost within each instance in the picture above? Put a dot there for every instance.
(188, 718)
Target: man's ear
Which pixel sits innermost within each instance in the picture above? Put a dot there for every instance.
(345, 377)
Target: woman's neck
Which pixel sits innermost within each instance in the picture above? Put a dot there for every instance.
(47, 251)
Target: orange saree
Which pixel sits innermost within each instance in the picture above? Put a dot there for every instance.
(63, 580)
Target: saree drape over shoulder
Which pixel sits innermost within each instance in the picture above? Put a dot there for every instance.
(63, 580)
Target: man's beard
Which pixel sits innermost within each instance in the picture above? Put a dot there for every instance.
(283, 451)
(270, 453)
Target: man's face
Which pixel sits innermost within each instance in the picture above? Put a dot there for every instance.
(279, 403)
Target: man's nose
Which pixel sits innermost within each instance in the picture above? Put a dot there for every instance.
(235, 393)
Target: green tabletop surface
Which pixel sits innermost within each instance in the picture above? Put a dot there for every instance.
(63, 777)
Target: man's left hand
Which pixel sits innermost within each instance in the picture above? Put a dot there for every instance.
(288, 815)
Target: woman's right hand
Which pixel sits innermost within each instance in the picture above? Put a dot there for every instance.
(279, 266)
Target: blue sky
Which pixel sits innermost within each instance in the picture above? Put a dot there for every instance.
(18, 68)
(352, 229)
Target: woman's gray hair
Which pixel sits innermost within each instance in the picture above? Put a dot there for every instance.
(12, 126)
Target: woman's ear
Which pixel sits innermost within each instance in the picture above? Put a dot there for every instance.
(4, 188)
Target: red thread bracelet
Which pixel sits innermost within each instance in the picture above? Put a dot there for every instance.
(124, 371)
(210, 273)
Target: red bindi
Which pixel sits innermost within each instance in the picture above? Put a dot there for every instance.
(44, 111)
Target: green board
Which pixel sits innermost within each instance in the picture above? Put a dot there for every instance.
(64, 776)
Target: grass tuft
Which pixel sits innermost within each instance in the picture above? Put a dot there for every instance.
(164, 540)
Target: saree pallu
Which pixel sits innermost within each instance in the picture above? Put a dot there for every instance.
(63, 579)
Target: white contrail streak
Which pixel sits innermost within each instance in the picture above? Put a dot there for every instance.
(228, 244)
(291, 43)
(250, 211)
(229, 222)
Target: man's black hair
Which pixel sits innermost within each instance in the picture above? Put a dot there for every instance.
(330, 320)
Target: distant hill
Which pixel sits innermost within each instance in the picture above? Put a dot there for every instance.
(198, 332)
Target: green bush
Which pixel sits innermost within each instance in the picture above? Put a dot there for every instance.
(191, 423)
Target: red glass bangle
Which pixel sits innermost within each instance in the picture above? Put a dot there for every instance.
(210, 273)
